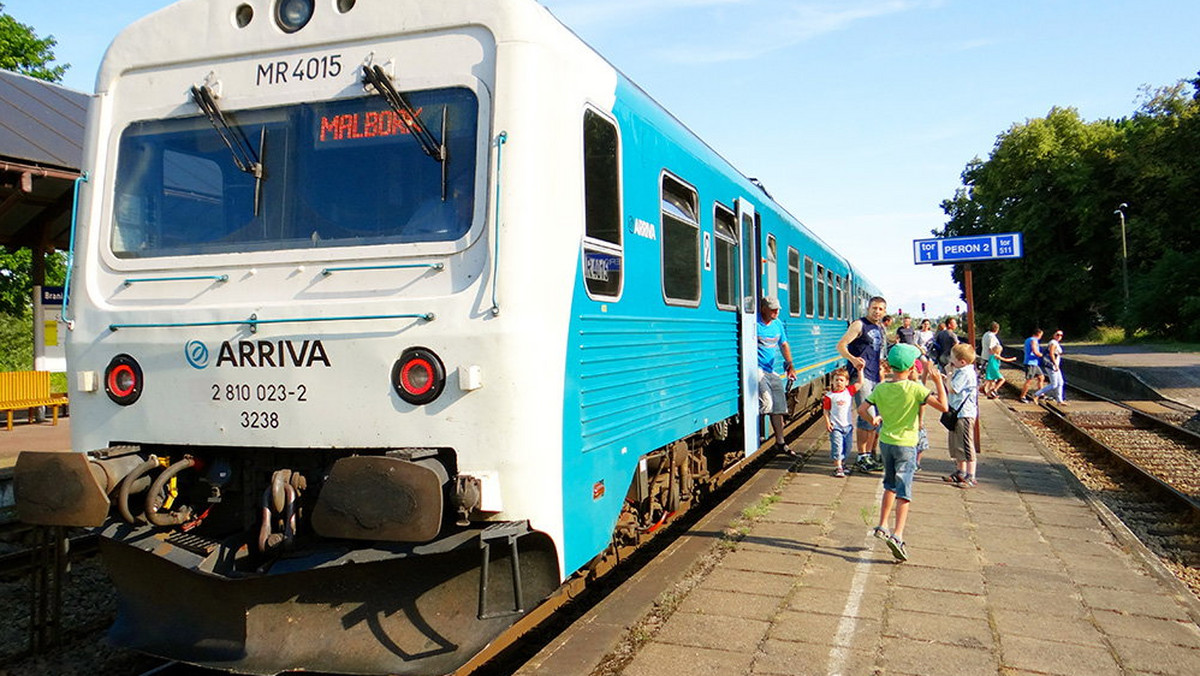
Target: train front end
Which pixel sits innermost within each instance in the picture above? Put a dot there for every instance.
(316, 433)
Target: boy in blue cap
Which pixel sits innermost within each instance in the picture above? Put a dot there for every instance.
(899, 402)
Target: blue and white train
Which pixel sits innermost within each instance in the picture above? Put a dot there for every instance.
(389, 316)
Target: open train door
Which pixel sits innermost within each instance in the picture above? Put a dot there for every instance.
(748, 323)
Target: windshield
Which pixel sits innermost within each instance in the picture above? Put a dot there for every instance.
(339, 173)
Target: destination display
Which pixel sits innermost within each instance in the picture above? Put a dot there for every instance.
(964, 249)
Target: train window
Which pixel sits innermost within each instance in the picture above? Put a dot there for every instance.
(829, 295)
(725, 228)
(680, 243)
(329, 179)
(820, 291)
(840, 306)
(794, 292)
(770, 282)
(749, 264)
(603, 255)
(810, 289)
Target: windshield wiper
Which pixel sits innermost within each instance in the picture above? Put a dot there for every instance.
(244, 156)
(378, 78)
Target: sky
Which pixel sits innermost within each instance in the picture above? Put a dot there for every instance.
(857, 115)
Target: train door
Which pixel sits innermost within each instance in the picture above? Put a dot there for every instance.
(747, 324)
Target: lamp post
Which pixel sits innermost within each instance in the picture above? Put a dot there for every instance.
(1120, 212)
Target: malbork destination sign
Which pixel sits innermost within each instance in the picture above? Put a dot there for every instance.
(964, 249)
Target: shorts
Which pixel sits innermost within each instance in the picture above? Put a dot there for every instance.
(962, 440)
(840, 442)
(1033, 371)
(899, 465)
(772, 398)
(993, 369)
(922, 441)
(859, 397)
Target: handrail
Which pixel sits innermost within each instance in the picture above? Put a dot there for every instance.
(501, 139)
(253, 321)
(62, 313)
(433, 266)
(218, 278)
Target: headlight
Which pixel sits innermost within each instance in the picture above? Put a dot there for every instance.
(123, 380)
(292, 15)
(418, 376)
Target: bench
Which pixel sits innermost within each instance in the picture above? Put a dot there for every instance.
(27, 390)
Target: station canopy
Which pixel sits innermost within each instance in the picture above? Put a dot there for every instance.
(41, 152)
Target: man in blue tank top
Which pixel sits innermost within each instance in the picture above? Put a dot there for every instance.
(863, 346)
(772, 346)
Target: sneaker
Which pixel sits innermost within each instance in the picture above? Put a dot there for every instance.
(881, 533)
(967, 482)
(954, 478)
(897, 548)
(863, 464)
(839, 473)
(1024, 400)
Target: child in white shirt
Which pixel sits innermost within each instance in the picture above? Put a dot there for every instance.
(838, 408)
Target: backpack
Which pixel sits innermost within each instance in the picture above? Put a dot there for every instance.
(933, 350)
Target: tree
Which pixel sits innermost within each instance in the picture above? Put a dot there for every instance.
(22, 51)
(1057, 180)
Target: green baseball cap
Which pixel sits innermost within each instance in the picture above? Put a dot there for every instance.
(902, 356)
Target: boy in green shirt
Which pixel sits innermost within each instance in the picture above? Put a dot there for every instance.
(899, 402)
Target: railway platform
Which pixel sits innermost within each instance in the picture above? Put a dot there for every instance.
(1173, 375)
(1022, 574)
(33, 437)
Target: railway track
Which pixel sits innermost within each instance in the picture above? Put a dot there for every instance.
(1144, 468)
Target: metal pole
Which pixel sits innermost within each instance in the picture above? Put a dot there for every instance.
(1124, 254)
(968, 282)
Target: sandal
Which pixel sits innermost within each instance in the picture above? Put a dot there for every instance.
(881, 533)
(897, 548)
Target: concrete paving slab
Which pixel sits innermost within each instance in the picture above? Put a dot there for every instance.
(1135, 603)
(657, 659)
(730, 604)
(1157, 658)
(953, 604)
(852, 633)
(1175, 632)
(963, 632)
(869, 604)
(937, 579)
(719, 632)
(1048, 657)
(904, 656)
(1047, 627)
(763, 584)
(788, 658)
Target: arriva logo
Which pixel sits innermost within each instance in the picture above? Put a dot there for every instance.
(197, 354)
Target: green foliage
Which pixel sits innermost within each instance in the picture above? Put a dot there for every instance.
(16, 279)
(22, 51)
(1058, 180)
(16, 339)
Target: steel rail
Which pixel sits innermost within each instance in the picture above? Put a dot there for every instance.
(1162, 486)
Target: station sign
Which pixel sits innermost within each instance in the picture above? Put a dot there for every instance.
(1003, 246)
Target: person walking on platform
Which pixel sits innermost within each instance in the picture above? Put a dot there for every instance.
(964, 399)
(1052, 367)
(946, 339)
(863, 346)
(773, 343)
(993, 353)
(1033, 365)
(838, 408)
(906, 333)
(898, 403)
